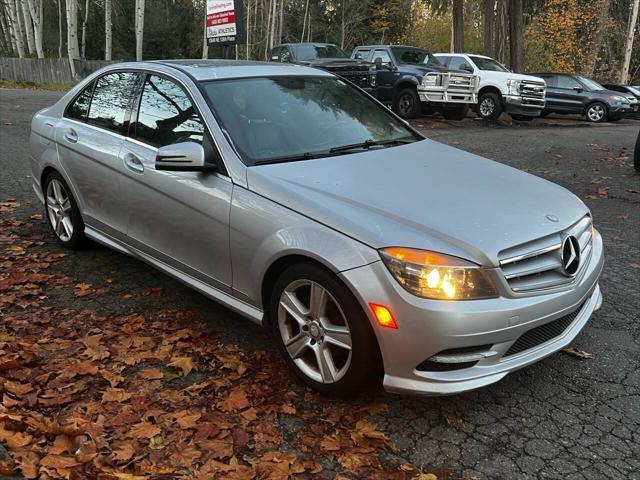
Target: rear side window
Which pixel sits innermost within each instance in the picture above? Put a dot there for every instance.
(567, 82)
(111, 99)
(79, 108)
(166, 114)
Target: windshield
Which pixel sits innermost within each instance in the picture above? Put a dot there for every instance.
(488, 64)
(415, 55)
(315, 52)
(634, 90)
(284, 117)
(591, 84)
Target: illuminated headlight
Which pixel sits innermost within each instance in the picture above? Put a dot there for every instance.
(513, 87)
(436, 276)
(430, 80)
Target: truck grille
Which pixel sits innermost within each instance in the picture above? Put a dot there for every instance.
(538, 265)
(543, 333)
(533, 93)
(355, 74)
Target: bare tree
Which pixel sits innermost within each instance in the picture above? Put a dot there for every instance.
(304, 20)
(457, 40)
(59, 28)
(633, 23)
(205, 43)
(488, 13)
(15, 27)
(73, 51)
(7, 39)
(28, 26)
(108, 35)
(501, 31)
(36, 14)
(248, 32)
(139, 28)
(515, 35)
(84, 28)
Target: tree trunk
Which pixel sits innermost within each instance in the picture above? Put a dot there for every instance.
(624, 73)
(248, 32)
(5, 24)
(488, 13)
(205, 43)
(304, 20)
(272, 35)
(515, 35)
(59, 28)
(108, 34)
(15, 28)
(28, 26)
(501, 31)
(281, 21)
(457, 44)
(267, 30)
(73, 51)
(139, 26)
(592, 59)
(84, 29)
(36, 11)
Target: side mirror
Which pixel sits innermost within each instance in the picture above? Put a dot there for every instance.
(578, 89)
(182, 157)
(466, 67)
(378, 63)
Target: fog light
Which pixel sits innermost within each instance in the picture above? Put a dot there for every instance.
(383, 315)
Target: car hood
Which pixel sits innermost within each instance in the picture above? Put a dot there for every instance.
(421, 195)
(333, 62)
(515, 76)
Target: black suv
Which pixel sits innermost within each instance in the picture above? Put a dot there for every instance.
(326, 56)
(573, 94)
(412, 81)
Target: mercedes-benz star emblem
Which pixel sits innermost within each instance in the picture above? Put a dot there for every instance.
(570, 255)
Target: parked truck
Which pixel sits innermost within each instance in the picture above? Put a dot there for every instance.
(412, 81)
(499, 89)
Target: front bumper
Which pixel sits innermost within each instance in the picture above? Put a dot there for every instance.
(440, 95)
(428, 327)
(523, 105)
(622, 110)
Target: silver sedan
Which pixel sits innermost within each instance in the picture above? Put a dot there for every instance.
(290, 196)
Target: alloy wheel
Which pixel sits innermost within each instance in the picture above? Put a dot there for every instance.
(59, 210)
(595, 113)
(487, 106)
(405, 105)
(314, 331)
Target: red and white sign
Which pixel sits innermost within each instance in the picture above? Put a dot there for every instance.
(221, 21)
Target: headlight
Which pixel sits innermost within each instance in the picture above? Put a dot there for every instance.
(430, 80)
(513, 87)
(617, 98)
(372, 79)
(437, 276)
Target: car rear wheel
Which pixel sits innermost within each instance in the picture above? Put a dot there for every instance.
(597, 112)
(407, 103)
(62, 212)
(322, 332)
(490, 106)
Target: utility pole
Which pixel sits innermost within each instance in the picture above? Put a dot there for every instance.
(624, 74)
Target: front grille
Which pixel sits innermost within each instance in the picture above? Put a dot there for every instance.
(429, 366)
(456, 83)
(359, 75)
(533, 93)
(537, 265)
(445, 360)
(542, 334)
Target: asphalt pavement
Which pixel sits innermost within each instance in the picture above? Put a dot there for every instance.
(562, 418)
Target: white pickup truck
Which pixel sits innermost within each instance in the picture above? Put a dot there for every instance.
(499, 89)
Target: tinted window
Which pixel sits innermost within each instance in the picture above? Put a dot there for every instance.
(383, 55)
(80, 107)
(274, 118)
(313, 52)
(111, 99)
(567, 82)
(166, 115)
(550, 80)
(414, 55)
(456, 63)
(362, 54)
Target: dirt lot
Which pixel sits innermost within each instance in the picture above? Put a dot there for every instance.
(133, 372)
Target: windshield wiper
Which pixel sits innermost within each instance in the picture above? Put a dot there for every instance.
(367, 144)
(290, 158)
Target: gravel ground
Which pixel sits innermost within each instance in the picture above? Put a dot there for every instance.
(561, 418)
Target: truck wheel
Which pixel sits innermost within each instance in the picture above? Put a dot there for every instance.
(456, 113)
(597, 112)
(490, 106)
(407, 103)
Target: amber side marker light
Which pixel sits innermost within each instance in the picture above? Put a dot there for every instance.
(383, 315)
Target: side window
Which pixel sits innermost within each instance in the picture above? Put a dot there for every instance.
(362, 54)
(382, 54)
(79, 108)
(550, 80)
(444, 59)
(567, 82)
(111, 99)
(456, 62)
(166, 114)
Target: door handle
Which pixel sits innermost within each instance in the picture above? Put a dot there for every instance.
(71, 136)
(133, 163)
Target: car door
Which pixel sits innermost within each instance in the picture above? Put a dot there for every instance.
(385, 76)
(179, 218)
(566, 95)
(90, 137)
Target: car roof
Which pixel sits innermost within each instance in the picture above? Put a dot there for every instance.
(226, 69)
(386, 46)
(560, 74)
(315, 44)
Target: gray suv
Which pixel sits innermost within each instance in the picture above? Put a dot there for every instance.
(295, 199)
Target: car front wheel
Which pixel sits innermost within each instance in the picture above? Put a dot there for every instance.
(490, 106)
(407, 103)
(322, 332)
(62, 212)
(597, 112)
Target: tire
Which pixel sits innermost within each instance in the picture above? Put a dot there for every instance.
(407, 103)
(456, 113)
(62, 213)
(307, 333)
(596, 112)
(490, 106)
(521, 118)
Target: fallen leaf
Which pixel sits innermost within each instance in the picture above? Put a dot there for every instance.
(577, 353)
(183, 363)
(144, 430)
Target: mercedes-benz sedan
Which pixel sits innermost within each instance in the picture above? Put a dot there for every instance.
(294, 198)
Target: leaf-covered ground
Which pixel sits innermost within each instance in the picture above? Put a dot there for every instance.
(86, 394)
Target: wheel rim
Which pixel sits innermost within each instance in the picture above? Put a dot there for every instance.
(405, 105)
(314, 331)
(486, 107)
(59, 210)
(596, 113)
